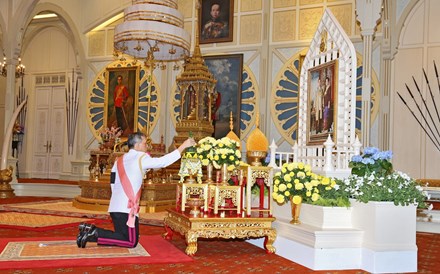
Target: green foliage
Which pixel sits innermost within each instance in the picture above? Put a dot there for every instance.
(397, 187)
(373, 179)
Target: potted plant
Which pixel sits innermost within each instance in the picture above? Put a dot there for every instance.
(373, 179)
(311, 196)
(384, 200)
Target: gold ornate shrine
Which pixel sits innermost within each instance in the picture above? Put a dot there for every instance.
(225, 228)
(196, 87)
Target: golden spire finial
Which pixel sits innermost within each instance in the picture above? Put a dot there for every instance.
(198, 7)
(257, 121)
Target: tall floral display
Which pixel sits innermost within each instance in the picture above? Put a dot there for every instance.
(373, 179)
(298, 184)
(219, 152)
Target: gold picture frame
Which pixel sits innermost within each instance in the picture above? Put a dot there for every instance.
(125, 115)
(322, 102)
(228, 70)
(216, 19)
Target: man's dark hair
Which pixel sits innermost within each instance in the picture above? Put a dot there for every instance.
(134, 139)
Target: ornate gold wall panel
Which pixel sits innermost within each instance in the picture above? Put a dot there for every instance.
(250, 5)
(308, 22)
(186, 8)
(284, 26)
(187, 26)
(283, 3)
(110, 42)
(250, 30)
(344, 15)
(310, 2)
(96, 43)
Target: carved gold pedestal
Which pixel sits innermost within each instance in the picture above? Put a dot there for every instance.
(6, 191)
(225, 228)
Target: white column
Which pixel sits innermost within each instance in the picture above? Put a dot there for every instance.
(389, 49)
(367, 13)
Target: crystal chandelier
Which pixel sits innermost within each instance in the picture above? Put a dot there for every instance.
(152, 30)
(153, 26)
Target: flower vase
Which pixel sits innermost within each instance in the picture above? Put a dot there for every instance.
(209, 170)
(296, 210)
(225, 176)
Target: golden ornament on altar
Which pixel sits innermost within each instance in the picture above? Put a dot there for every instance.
(257, 146)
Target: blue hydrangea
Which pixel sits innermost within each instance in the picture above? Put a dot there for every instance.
(371, 150)
(367, 161)
(356, 158)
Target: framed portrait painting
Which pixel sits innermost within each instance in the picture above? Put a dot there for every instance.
(121, 97)
(227, 70)
(321, 102)
(216, 19)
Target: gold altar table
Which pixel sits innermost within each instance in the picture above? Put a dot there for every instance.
(194, 228)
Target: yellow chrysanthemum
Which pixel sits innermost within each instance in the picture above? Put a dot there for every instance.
(205, 162)
(325, 181)
(296, 199)
(315, 197)
(280, 199)
(276, 182)
(289, 185)
(282, 187)
(299, 186)
(287, 193)
(287, 178)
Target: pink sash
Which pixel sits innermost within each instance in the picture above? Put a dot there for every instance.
(133, 202)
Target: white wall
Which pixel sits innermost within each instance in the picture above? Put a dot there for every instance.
(419, 45)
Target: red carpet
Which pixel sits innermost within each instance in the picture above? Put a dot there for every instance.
(24, 253)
